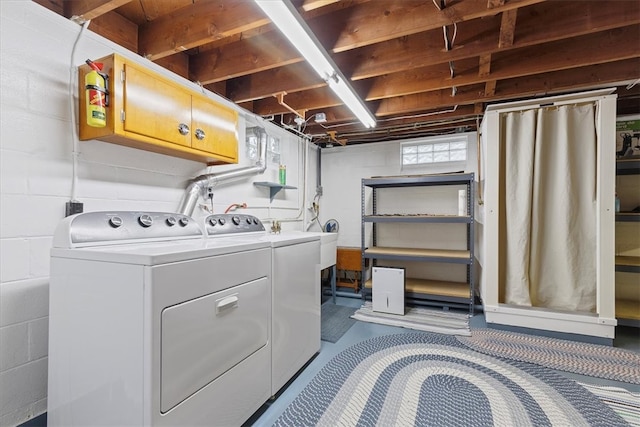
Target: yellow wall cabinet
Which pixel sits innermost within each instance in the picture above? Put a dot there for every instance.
(150, 112)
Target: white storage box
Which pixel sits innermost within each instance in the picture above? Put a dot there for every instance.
(388, 290)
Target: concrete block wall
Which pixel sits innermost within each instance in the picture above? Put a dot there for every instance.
(36, 145)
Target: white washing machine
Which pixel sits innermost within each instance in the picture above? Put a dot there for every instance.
(295, 324)
(151, 324)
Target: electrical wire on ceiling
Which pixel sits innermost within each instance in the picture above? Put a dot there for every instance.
(448, 44)
(303, 126)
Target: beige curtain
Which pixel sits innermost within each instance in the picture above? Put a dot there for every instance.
(550, 207)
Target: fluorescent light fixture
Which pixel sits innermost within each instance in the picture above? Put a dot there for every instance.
(285, 16)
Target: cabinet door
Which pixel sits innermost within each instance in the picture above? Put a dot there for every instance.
(155, 108)
(214, 128)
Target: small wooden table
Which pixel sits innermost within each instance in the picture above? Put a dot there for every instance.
(349, 259)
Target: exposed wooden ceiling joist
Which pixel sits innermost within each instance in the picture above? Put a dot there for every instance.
(413, 61)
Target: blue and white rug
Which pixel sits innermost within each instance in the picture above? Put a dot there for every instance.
(424, 379)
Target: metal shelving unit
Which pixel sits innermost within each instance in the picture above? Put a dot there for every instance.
(628, 310)
(436, 292)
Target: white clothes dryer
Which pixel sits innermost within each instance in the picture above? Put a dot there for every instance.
(151, 324)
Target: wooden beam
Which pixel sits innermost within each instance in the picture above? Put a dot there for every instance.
(380, 21)
(561, 20)
(478, 37)
(219, 87)
(596, 48)
(309, 100)
(507, 28)
(178, 63)
(582, 78)
(308, 5)
(541, 84)
(611, 45)
(197, 24)
(405, 128)
(485, 65)
(490, 88)
(243, 57)
(116, 28)
(90, 9)
(254, 86)
(606, 46)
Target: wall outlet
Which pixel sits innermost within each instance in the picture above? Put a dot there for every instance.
(72, 208)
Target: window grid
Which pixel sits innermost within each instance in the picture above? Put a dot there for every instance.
(434, 152)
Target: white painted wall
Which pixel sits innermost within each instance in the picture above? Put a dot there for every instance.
(36, 143)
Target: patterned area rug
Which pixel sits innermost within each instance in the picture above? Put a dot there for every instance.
(433, 380)
(623, 402)
(419, 318)
(335, 321)
(570, 356)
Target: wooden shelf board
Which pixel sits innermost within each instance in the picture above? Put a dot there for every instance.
(628, 309)
(443, 253)
(434, 287)
(628, 261)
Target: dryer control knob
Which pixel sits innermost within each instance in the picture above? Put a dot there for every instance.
(212, 222)
(145, 220)
(171, 221)
(115, 221)
(236, 220)
(248, 220)
(221, 221)
(184, 221)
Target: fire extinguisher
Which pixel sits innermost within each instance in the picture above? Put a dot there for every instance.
(96, 95)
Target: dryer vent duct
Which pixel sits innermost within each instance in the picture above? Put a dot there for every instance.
(200, 184)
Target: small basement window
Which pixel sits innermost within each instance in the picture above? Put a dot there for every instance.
(434, 151)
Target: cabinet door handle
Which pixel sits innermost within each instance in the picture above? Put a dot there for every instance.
(200, 134)
(183, 129)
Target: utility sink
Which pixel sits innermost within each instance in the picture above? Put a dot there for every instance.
(328, 247)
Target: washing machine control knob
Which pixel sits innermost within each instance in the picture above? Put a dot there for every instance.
(145, 220)
(171, 221)
(184, 221)
(213, 222)
(236, 220)
(248, 220)
(255, 221)
(221, 221)
(115, 221)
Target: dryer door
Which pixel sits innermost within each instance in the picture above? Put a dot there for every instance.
(203, 338)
